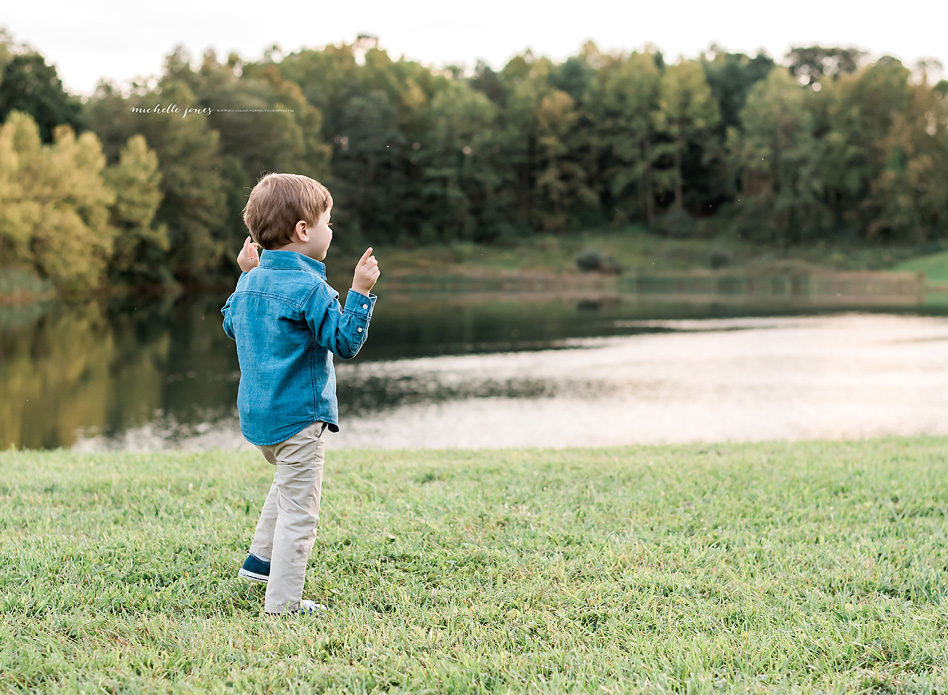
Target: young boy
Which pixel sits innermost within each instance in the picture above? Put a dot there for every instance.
(287, 323)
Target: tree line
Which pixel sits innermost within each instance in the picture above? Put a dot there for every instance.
(144, 183)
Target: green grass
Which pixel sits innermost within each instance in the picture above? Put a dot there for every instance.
(638, 250)
(806, 567)
(935, 267)
(634, 250)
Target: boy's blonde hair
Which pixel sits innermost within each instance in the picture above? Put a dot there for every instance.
(278, 202)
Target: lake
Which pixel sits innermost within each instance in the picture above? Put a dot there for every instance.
(475, 370)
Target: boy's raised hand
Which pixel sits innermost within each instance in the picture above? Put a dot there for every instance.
(248, 258)
(366, 273)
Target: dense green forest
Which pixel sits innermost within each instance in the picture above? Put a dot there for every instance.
(144, 183)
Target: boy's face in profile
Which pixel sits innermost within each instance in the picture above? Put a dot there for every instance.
(319, 237)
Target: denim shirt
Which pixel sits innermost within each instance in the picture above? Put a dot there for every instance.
(287, 323)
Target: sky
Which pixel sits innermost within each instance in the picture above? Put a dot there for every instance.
(119, 40)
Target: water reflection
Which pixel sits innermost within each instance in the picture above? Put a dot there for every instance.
(443, 371)
(108, 367)
(838, 376)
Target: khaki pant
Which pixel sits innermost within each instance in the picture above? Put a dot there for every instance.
(286, 530)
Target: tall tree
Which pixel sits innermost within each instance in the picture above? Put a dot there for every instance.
(908, 199)
(141, 247)
(263, 119)
(59, 221)
(687, 117)
(194, 200)
(528, 82)
(623, 103)
(367, 175)
(779, 160)
(489, 83)
(731, 77)
(8, 48)
(193, 205)
(264, 122)
(561, 182)
(811, 63)
(859, 112)
(374, 112)
(31, 86)
(460, 181)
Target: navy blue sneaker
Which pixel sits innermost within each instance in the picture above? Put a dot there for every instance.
(255, 569)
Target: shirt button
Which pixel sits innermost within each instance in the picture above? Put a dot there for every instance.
(359, 329)
(365, 306)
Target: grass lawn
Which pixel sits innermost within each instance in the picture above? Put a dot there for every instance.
(637, 250)
(633, 249)
(798, 568)
(935, 267)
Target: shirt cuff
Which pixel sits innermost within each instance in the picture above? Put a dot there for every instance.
(360, 304)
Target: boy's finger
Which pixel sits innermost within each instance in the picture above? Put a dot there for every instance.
(365, 256)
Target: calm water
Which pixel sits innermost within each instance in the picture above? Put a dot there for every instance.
(454, 370)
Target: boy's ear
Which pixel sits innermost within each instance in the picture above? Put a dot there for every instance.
(301, 232)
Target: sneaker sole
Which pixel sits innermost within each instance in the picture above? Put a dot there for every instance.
(252, 576)
(314, 609)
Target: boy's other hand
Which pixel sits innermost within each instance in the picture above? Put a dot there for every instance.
(248, 258)
(366, 273)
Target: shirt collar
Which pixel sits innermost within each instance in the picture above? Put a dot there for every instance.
(292, 260)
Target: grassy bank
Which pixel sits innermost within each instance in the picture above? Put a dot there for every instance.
(808, 567)
(637, 250)
(935, 267)
(629, 252)
(635, 255)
